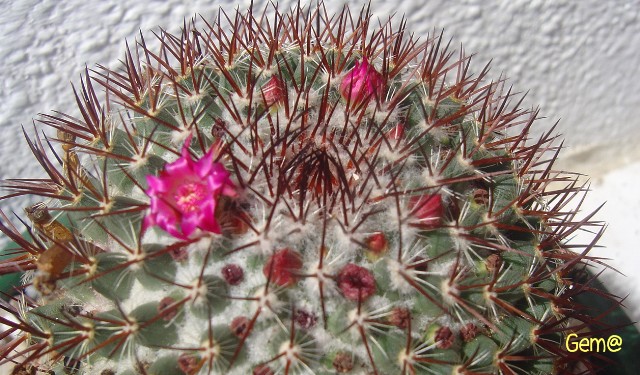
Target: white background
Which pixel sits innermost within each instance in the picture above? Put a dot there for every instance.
(579, 60)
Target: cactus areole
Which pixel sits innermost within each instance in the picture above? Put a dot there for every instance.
(294, 193)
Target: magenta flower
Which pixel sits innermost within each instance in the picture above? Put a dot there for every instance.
(185, 195)
(363, 82)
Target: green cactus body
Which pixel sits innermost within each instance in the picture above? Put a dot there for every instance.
(379, 216)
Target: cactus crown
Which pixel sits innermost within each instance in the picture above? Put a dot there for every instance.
(295, 193)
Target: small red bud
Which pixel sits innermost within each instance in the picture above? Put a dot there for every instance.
(444, 338)
(493, 263)
(232, 217)
(188, 364)
(282, 267)
(377, 243)
(343, 362)
(232, 274)
(238, 223)
(305, 319)
(356, 282)
(481, 197)
(217, 130)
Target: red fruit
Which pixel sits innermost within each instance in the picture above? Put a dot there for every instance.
(444, 338)
(305, 319)
(427, 209)
(356, 283)
(282, 266)
(232, 274)
(400, 317)
(239, 325)
(273, 91)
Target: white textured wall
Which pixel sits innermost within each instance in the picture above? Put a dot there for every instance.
(579, 60)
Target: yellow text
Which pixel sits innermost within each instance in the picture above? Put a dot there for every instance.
(612, 344)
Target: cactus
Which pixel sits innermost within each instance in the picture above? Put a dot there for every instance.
(296, 193)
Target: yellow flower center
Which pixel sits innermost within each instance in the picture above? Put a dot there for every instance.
(189, 196)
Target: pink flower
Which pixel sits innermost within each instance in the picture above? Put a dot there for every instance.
(363, 82)
(185, 195)
(427, 209)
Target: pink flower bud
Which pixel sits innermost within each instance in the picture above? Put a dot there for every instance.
(362, 83)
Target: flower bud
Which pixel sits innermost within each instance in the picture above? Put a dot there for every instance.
(362, 83)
